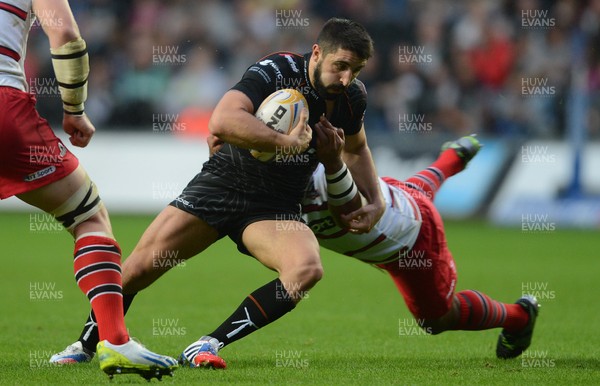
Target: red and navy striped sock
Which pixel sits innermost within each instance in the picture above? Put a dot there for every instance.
(479, 312)
(431, 179)
(98, 274)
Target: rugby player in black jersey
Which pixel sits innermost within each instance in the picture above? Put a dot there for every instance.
(257, 204)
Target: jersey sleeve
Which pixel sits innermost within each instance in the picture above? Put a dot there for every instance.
(258, 82)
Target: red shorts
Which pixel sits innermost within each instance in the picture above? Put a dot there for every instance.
(31, 156)
(425, 275)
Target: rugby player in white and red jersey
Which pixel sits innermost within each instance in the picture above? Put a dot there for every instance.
(39, 169)
(409, 243)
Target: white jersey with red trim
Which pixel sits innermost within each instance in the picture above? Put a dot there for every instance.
(16, 17)
(396, 231)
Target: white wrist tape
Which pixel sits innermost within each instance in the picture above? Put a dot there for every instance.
(72, 67)
(340, 187)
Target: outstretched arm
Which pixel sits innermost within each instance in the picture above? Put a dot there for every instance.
(71, 66)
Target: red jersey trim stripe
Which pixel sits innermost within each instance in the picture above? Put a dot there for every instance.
(284, 53)
(413, 204)
(392, 202)
(10, 53)
(18, 12)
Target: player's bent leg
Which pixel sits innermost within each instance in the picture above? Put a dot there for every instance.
(173, 237)
(429, 292)
(292, 250)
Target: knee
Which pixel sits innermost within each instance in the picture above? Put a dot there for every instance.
(304, 274)
(311, 274)
(308, 275)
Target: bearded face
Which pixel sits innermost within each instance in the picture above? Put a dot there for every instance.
(334, 72)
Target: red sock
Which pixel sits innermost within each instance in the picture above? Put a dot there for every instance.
(449, 163)
(98, 273)
(479, 312)
(431, 179)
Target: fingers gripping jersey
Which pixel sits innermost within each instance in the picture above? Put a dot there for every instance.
(285, 178)
(396, 231)
(15, 21)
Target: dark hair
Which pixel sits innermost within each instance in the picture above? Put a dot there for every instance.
(345, 34)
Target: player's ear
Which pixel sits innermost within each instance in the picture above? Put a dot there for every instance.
(316, 52)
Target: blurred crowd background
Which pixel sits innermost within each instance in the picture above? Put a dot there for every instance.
(153, 57)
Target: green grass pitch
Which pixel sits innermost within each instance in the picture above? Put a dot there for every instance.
(352, 329)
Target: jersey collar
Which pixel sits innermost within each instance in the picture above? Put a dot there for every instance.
(313, 91)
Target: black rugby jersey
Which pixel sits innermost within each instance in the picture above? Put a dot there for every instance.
(285, 178)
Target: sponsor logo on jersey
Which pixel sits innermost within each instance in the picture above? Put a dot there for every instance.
(275, 67)
(40, 173)
(321, 225)
(292, 63)
(185, 202)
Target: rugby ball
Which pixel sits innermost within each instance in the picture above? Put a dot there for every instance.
(281, 112)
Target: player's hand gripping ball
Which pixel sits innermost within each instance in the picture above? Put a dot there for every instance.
(280, 111)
